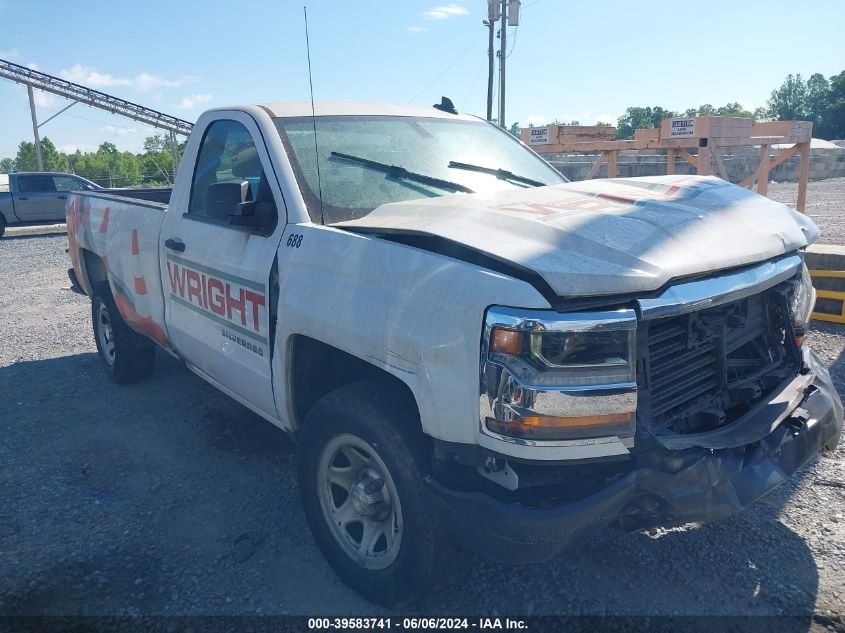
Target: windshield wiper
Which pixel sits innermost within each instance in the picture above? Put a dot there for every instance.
(400, 172)
(501, 174)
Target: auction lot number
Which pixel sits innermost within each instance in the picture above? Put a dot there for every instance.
(389, 623)
(412, 624)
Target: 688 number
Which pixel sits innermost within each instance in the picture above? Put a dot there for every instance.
(295, 240)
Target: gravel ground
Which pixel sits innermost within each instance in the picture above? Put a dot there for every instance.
(825, 204)
(168, 498)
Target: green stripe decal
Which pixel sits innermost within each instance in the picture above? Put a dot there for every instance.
(220, 320)
(246, 283)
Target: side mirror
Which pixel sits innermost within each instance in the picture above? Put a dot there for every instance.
(228, 199)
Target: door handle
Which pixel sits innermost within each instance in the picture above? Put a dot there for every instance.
(22, 198)
(175, 244)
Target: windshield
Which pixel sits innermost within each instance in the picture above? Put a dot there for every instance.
(422, 147)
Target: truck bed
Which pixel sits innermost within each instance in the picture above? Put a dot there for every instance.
(114, 239)
(150, 194)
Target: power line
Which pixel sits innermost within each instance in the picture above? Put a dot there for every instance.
(472, 85)
(448, 68)
(513, 44)
(82, 118)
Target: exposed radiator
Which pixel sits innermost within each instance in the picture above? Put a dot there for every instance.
(705, 369)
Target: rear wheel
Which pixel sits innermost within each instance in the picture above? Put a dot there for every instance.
(127, 357)
(2, 225)
(361, 464)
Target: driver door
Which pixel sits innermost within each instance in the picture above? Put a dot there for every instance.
(216, 271)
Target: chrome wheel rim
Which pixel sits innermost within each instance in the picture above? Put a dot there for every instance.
(359, 501)
(105, 334)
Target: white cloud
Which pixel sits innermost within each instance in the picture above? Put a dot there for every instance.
(32, 66)
(70, 148)
(12, 54)
(142, 83)
(444, 12)
(415, 29)
(536, 119)
(192, 101)
(145, 82)
(89, 77)
(44, 99)
(606, 118)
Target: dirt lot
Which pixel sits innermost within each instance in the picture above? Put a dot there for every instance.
(825, 204)
(168, 498)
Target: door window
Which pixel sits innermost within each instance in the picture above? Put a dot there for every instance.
(36, 184)
(227, 153)
(66, 183)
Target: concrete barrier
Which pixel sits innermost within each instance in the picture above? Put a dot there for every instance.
(739, 162)
(35, 229)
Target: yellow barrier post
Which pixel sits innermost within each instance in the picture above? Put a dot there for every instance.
(836, 295)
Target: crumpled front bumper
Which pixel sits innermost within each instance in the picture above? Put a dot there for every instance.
(663, 487)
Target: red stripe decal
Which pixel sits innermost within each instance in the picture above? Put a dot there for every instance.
(104, 225)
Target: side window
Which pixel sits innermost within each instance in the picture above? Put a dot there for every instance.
(36, 184)
(227, 153)
(66, 183)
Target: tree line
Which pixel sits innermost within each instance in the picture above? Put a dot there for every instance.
(816, 99)
(107, 166)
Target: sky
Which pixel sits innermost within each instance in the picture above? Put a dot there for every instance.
(567, 59)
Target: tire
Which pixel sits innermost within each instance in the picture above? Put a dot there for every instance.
(2, 225)
(126, 355)
(365, 418)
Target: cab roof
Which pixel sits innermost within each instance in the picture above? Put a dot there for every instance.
(290, 109)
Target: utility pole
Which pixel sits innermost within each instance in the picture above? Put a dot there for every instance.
(493, 15)
(503, 49)
(35, 129)
(491, 64)
(174, 153)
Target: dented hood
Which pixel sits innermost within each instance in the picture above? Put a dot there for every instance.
(609, 236)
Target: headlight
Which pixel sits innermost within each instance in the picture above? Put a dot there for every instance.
(801, 304)
(559, 377)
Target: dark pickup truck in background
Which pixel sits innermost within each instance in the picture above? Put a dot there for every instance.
(37, 196)
(32, 197)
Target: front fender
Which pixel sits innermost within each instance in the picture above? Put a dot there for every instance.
(416, 315)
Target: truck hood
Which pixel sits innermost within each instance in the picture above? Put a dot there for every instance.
(610, 236)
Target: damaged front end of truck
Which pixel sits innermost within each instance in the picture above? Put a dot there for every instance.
(684, 406)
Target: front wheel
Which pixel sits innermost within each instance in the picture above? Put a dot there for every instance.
(126, 356)
(361, 482)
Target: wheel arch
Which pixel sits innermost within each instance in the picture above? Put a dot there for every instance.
(316, 368)
(93, 271)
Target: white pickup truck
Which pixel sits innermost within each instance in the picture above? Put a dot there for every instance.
(468, 349)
